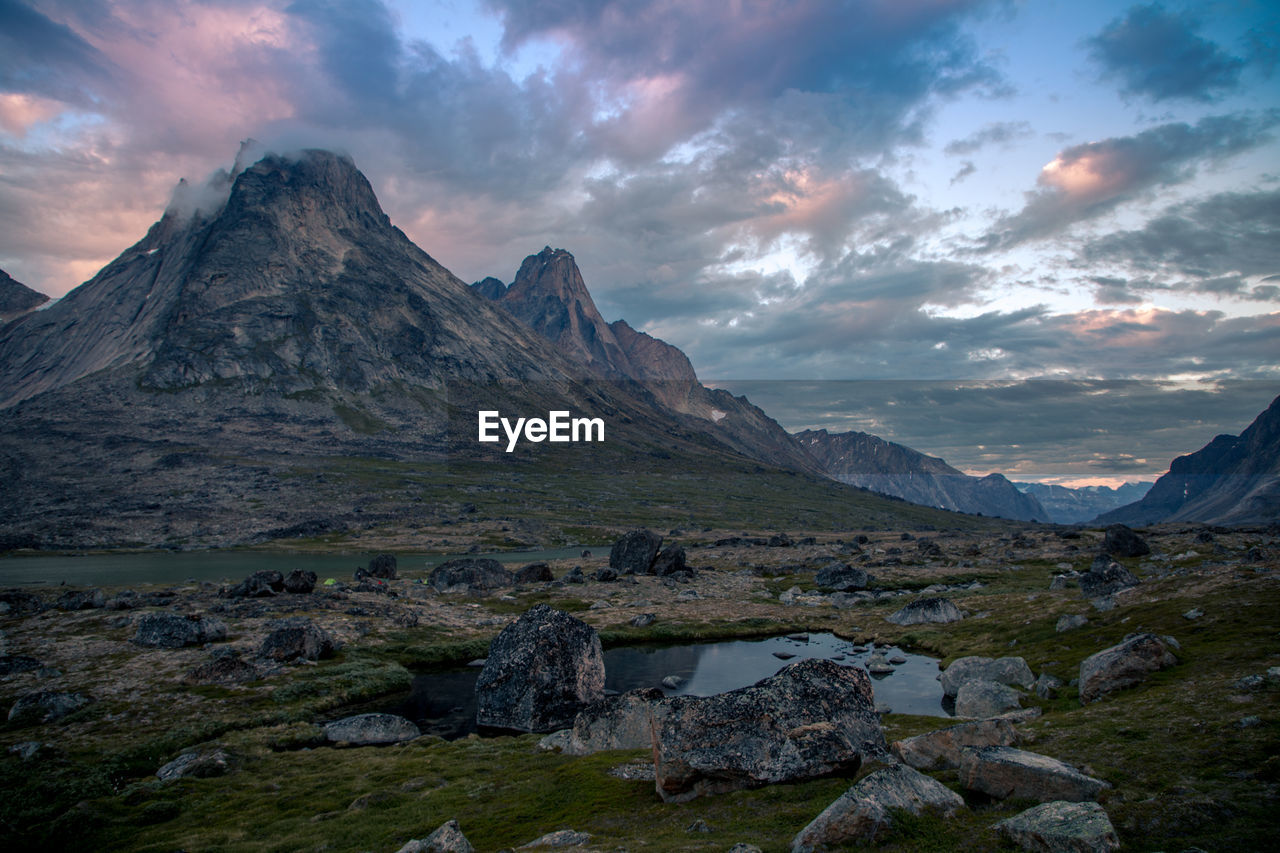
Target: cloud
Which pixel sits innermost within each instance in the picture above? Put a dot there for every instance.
(1161, 55)
(42, 57)
(1085, 181)
(997, 133)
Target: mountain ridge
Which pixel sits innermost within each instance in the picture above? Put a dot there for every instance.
(16, 298)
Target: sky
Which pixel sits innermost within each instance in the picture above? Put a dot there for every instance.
(942, 200)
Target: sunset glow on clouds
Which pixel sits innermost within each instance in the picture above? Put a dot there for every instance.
(802, 190)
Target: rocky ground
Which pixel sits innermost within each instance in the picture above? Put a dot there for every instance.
(1188, 753)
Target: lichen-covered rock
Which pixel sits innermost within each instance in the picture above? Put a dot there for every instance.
(985, 698)
(1126, 664)
(382, 566)
(635, 552)
(812, 718)
(175, 630)
(447, 838)
(1121, 541)
(296, 639)
(938, 610)
(1105, 577)
(262, 584)
(1003, 771)
(841, 577)
(371, 730)
(671, 560)
(1070, 621)
(940, 750)
(300, 582)
(479, 573)
(226, 668)
(1061, 827)
(865, 810)
(1007, 670)
(541, 671)
(533, 573)
(196, 765)
(46, 706)
(559, 838)
(617, 722)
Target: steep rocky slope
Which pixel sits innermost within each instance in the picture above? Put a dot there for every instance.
(16, 298)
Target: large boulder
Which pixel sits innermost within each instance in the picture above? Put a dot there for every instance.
(812, 718)
(175, 630)
(634, 553)
(1003, 772)
(841, 577)
(866, 810)
(300, 582)
(262, 584)
(45, 706)
(533, 573)
(1105, 577)
(382, 566)
(1061, 827)
(1126, 664)
(296, 639)
(671, 560)
(480, 573)
(370, 730)
(1120, 541)
(985, 698)
(541, 671)
(924, 610)
(1007, 670)
(940, 750)
(625, 721)
(447, 838)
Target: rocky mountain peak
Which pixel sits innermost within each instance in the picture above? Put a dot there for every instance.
(16, 298)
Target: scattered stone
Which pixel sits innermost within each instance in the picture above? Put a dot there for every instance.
(936, 610)
(1063, 581)
(300, 582)
(574, 575)
(1104, 604)
(296, 639)
(624, 721)
(688, 595)
(1061, 827)
(1004, 771)
(877, 665)
(1249, 722)
(542, 670)
(84, 599)
(1047, 686)
(1006, 670)
(897, 660)
(562, 838)
(173, 630)
(1121, 541)
(196, 765)
(642, 620)
(780, 540)
(940, 750)
(672, 560)
(866, 810)
(533, 573)
(789, 596)
(467, 573)
(1250, 682)
(673, 682)
(26, 750)
(370, 730)
(382, 566)
(743, 847)
(984, 698)
(798, 638)
(17, 603)
(604, 575)
(783, 655)
(1193, 613)
(448, 838)
(226, 668)
(263, 584)
(634, 553)
(1123, 665)
(842, 577)
(698, 825)
(634, 771)
(1071, 621)
(1105, 577)
(812, 718)
(45, 706)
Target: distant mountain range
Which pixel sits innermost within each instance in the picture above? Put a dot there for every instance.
(16, 298)
(1231, 480)
(872, 463)
(1078, 505)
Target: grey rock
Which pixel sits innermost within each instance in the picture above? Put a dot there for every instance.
(1061, 827)
(27, 749)
(1249, 682)
(196, 765)
(371, 730)
(1104, 604)
(222, 669)
(1063, 581)
(841, 577)
(173, 630)
(673, 682)
(699, 826)
(642, 620)
(1071, 621)
(984, 698)
(812, 718)
(1123, 665)
(296, 639)
(1121, 541)
(45, 706)
(635, 552)
(672, 560)
(82, 599)
(447, 838)
(926, 610)
(533, 573)
(262, 584)
(382, 566)
(1193, 613)
(1006, 670)
(1004, 771)
(940, 750)
(541, 671)
(479, 573)
(743, 847)
(1105, 577)
(560, 838)
(865, 811)
(604, 575)
(300, 582)
(1047, 686)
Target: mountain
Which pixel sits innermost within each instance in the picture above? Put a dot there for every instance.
(16, 298)
(864, 460)
(550, 296)
(1231, 480)
(1076, 505)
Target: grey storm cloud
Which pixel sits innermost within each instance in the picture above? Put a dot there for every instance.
(1159, 54)
(1085, 181)
(42, 57)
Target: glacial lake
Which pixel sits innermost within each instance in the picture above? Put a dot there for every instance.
(172, 567)
(443, 703)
